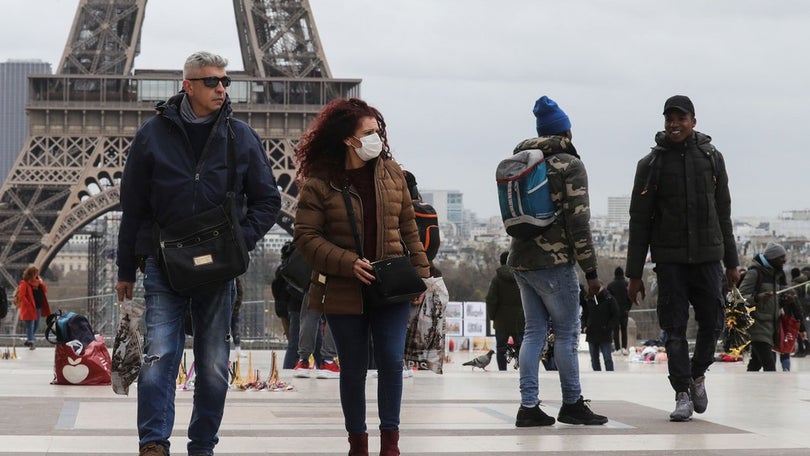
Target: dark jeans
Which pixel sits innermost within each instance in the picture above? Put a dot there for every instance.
(595, 349)
(678, 286)
(501, 341)
(762, 357)
(386, 324)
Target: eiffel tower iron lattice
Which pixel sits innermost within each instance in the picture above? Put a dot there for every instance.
(82, 119)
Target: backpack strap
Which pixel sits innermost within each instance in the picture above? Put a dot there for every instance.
(50, 327)
(710, 152)
(653, 174)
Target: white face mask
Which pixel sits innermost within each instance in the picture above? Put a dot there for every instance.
(370, 148)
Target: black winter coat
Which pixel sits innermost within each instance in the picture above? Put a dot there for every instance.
(618, 289)
(504, 306)
(601, 317)
(681, 207)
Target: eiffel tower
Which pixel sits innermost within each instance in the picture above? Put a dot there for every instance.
(83, 118)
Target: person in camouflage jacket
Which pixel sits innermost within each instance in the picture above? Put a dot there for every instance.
(544, 270)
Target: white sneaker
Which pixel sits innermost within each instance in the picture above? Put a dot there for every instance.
(624, 352)
(301, 370)
(407, 373)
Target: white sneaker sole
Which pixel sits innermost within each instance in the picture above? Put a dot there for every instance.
(301, 374)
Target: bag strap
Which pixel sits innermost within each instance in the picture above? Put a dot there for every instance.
(352, 221)
(231, 157)
(51, 321)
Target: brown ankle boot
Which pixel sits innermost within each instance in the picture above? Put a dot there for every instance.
(389, 443)
(358, 444)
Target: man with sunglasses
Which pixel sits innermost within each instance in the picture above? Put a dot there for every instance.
(177, 166)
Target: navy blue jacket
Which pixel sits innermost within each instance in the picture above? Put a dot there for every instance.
(160, 181)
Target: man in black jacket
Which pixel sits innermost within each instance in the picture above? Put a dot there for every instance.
(618, 289)
(681, 210)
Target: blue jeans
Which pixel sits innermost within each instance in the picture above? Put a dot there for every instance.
(549, 294)
(163, 351)
(31, 327)
(600, 347)
(386, 325)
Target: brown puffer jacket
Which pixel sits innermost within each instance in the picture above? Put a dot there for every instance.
(324, 236)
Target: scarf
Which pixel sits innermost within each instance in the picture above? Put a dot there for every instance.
(188, 114)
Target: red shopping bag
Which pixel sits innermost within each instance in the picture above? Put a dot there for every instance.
(74, 364)
(788, 330)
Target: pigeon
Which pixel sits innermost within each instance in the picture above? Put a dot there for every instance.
(480, 361)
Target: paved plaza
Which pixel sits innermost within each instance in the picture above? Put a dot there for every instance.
(460, 412)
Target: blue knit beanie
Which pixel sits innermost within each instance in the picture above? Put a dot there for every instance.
(550, 118)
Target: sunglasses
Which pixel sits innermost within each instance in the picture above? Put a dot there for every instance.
(213, 81)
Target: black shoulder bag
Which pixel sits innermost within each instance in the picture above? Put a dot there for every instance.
(201, 253)
(396, 279)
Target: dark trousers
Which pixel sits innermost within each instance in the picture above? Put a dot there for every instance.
(680, 285)
(621, 330)
(501, 341)
(762, 357)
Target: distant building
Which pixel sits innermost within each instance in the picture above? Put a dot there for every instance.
(619, 211)
(274, 240)
(449, 205)
(74, 255)
(13, 98)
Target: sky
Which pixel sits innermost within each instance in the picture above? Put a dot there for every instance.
(457, 79)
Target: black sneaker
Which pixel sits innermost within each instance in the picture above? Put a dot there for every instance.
(579, 413)
(527, 417)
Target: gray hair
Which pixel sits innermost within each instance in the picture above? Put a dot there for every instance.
(202, 59)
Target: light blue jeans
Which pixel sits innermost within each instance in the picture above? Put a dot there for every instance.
(31, 327)
(549, 296)
(163, 351)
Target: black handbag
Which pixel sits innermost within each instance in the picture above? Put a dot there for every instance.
(203, 252)
(396, 279)
(296, 271)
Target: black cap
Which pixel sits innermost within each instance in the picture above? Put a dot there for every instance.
(681, 103)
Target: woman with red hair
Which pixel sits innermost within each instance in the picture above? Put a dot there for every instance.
(33, 302)
(345, 154)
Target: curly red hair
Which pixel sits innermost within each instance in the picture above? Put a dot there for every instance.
(322, 150)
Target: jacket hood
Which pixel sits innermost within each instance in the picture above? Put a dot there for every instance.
(549, 145)
(505, 273)
(697, 138)
(765, 270)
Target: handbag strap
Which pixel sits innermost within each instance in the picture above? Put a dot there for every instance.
(352, 221)
(231, 157)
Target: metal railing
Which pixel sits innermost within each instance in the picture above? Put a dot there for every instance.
(259, 327)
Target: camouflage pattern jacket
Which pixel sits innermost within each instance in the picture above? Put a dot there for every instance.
(568, 239)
